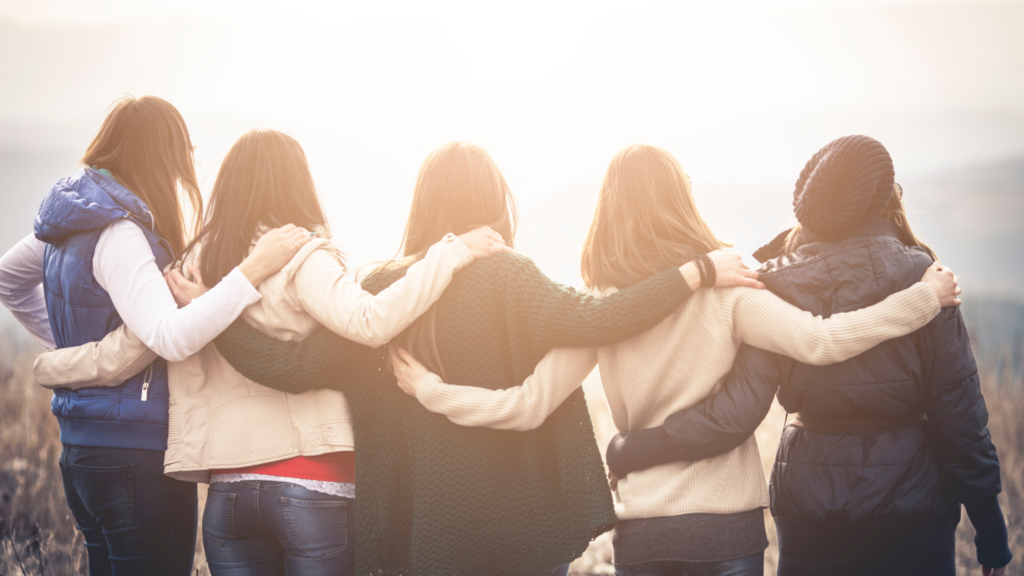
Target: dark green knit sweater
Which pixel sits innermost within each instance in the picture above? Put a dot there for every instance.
(435, 498)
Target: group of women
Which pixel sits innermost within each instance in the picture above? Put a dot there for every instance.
(274, 385)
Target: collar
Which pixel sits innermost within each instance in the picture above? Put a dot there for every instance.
(873, 226)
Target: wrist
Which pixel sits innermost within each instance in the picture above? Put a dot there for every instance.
(691, 274)
(254, 272)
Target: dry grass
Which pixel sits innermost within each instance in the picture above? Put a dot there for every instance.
(37, 535)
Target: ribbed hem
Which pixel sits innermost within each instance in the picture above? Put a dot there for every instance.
(113, 434)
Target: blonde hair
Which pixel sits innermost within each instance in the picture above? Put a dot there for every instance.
(646, 220)
(895, 211)
(145, 144)
(459, 188)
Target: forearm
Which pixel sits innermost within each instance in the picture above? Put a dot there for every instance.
(554, 316)
(990, 538)
(109, 362)
(322, 360)
(124, 266)
(521, 408)
(374, 320)
(765, 321)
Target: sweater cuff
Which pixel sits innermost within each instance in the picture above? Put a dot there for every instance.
(990, 527)
(638, 450)
(464, 254)
(933, 305)
(430, 391)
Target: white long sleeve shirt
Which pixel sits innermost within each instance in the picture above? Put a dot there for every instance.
(125, 267)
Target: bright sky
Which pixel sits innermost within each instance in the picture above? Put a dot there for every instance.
(741, 92)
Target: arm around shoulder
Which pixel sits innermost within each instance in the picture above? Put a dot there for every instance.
(765, 321)
(521, 408)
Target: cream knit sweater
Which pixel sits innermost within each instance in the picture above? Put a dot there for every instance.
(674, 366)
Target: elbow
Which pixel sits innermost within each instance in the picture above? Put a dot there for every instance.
(174, 357)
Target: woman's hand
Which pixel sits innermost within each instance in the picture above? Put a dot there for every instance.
(484, 242)
(273, 250)
(729, 271)
(408, 370)
(184, 290)
(993, 571)
(944, 283)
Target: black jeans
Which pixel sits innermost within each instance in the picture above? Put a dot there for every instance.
(268, 528)
(135, 520)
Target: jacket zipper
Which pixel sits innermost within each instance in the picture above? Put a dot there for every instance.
(145, 383)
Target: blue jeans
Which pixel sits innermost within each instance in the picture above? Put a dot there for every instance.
(257, 528)
(135, 520)
(752, 565)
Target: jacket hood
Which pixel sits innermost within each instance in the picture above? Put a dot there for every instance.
(86, 200)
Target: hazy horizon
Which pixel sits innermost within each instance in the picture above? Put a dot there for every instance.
(741, 92)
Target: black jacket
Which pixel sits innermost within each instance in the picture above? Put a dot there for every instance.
(858, 457)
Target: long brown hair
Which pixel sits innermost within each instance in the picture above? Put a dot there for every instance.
(895, 211)
(263, 181)
(459, 188)
(145, 145)
(646, 220)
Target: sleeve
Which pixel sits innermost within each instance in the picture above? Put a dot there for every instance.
(544, 314)
(521, 408)
(21, 288)
(125, 267)
(765, 321)
(958, 425)
(296, 367)
(109, 362)
(337, 301)
(715, 426)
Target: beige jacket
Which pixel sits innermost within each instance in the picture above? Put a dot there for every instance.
(218, 418)
(674, 366)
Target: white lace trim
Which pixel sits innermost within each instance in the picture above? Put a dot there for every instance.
(339, 489)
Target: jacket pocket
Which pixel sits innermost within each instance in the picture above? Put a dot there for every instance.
(317, 527)
(219, 519)
(107, 492)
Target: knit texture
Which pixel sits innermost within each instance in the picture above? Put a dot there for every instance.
(680, 362)
(439, 499)
(843, 184)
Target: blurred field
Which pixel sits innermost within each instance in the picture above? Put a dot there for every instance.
(37, 535)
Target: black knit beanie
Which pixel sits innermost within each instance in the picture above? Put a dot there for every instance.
(843, 184)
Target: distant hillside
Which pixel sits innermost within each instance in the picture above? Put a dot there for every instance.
(974, 219)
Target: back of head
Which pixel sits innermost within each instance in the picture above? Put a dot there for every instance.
(848, 181)
(263, 181)
(843, 184)
(145, 144)
(459, 188)
(646, 220)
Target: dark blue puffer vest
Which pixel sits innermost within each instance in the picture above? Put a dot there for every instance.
(70, 220)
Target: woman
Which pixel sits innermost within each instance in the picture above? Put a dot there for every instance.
(695, 518)
(885, 447)
(436, 498)
(281, 467)
(101, 238)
